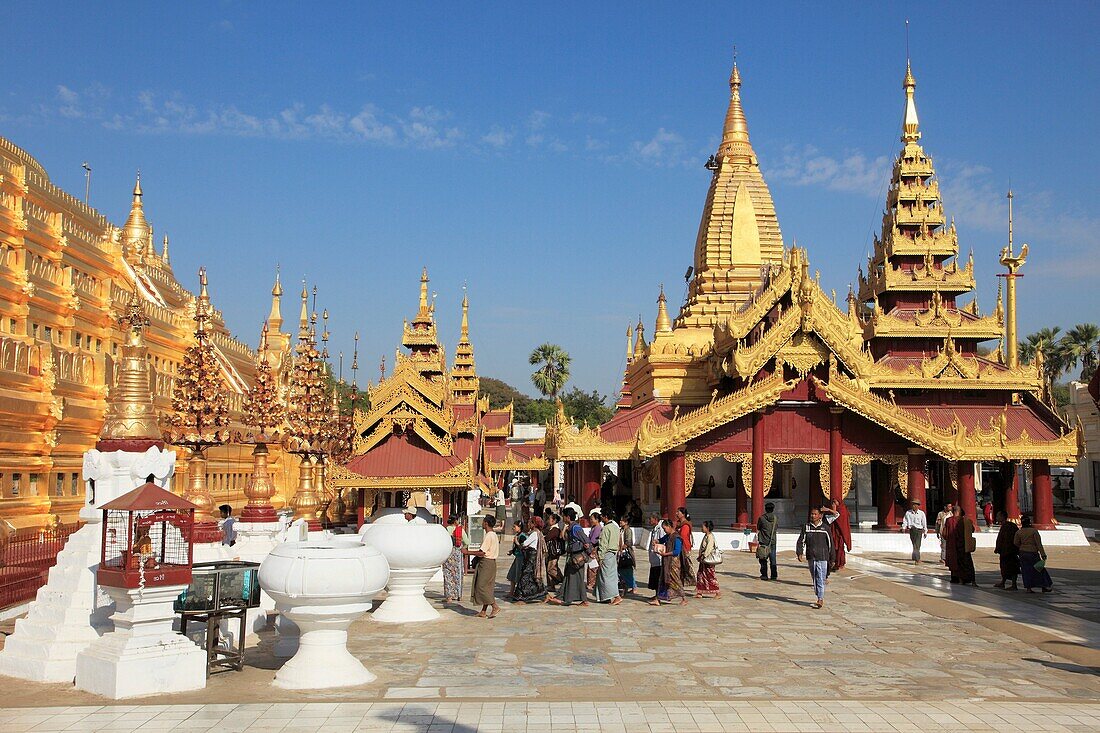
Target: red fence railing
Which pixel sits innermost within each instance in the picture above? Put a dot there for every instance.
(25, 561)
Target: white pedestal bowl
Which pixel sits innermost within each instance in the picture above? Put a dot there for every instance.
(323, 586)
(415, 551)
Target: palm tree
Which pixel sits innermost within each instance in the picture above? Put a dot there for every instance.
(1044, 338)
(553, 369)
(1079, 346)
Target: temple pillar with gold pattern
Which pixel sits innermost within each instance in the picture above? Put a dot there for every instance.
(968, 497)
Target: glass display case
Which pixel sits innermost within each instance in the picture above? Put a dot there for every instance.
(225, 585)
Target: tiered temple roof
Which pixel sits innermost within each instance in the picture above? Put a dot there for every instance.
(426, 427)
(914, 281)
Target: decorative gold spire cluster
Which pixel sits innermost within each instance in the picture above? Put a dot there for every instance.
(263, 407)
(739, 233)
(200, 399)
(131, 414)
(464, 380)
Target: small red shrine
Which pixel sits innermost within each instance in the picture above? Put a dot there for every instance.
(147, 539)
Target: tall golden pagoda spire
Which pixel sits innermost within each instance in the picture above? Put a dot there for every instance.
(131, 414)
(739, 231)
(735, 133)
(137, 235)
(424, 312)
(465, 383)
(164, 252)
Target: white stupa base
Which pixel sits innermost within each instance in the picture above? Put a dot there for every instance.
(69, 613)
(287, 634)
(405, 601)
(66, 616)
(143, 655)
(322, 659)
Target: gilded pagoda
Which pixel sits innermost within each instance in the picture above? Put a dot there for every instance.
(765, 386)
(426, 436)
(67, 274)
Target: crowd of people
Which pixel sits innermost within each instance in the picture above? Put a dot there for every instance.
(563, 557)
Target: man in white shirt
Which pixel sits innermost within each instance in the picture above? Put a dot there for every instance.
(916, 523)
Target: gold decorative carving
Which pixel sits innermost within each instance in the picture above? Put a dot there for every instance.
(516, 462)
(803, 353)
(654, 439)
(955, 443)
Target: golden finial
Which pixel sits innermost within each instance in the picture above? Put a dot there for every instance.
(202, 304)
(136, 235)
(164, 251)
(303, 318)
(423, 310)
(664, 325)
(629, 343)
(639, 345)
(910, 125)
(735, 132)
(263, 341)
(465, 330)
(275, 316)
(355, 362)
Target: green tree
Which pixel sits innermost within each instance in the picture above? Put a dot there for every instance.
(1044, 337)
(553, 369)
(1079, 346)
(589, 408)
(501, 394)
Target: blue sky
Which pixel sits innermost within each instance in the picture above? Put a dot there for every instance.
(550, 158)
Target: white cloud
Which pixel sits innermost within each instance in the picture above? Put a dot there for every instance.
(852, 172)
(498, 137)
(537, 120)
(665, 148)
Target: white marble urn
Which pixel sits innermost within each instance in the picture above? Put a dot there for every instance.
(323, 586)
(415, 551)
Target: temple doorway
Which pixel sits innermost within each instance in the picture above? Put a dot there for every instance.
(714, 492)
(793, 483)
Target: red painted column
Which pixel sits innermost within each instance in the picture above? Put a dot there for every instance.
(1012, 492)
(742, 519)
(968, 499)
(758, 487)
(361, 510)
(1042, 495)
(815, 492)
(886, 506)
(917, 483)
(836, 457)
(445, 510)
(674, 494)
(591, 477)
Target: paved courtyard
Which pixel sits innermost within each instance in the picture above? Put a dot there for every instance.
(884, 654)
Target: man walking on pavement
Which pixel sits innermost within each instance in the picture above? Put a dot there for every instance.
(916, 523)
(815, 544)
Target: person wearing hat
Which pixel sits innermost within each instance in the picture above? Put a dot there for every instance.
(916, 522)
